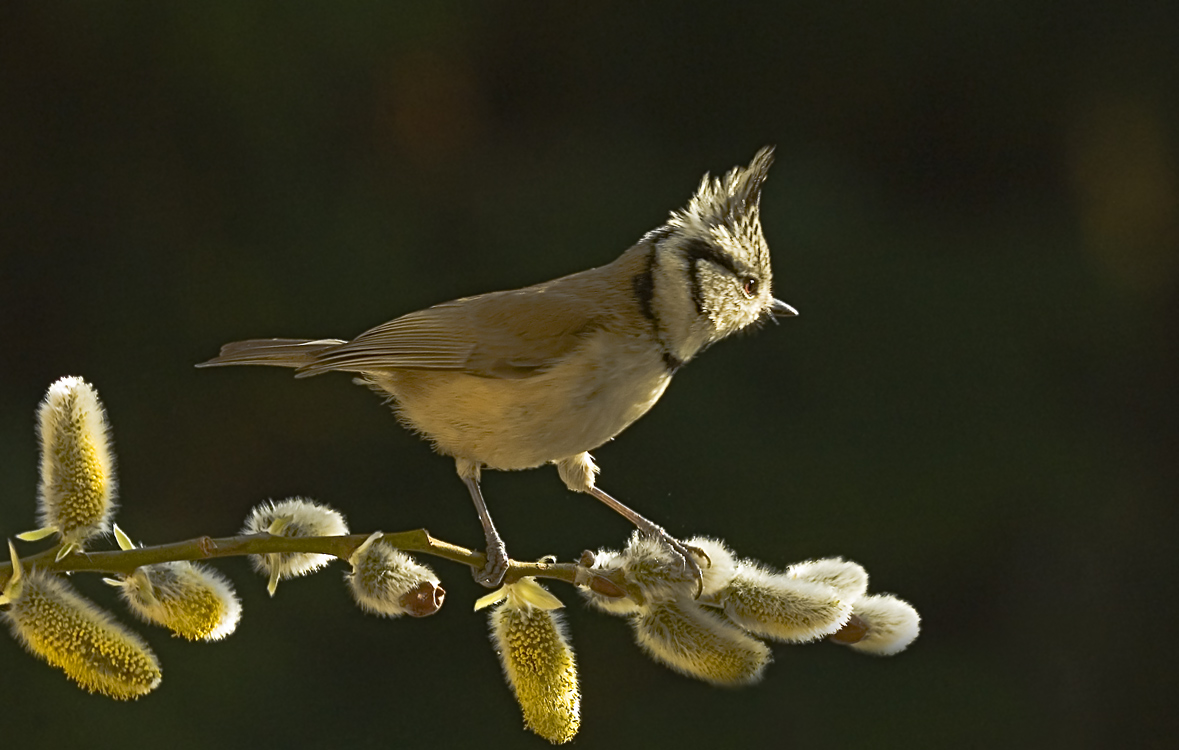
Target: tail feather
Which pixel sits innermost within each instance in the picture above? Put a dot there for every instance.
(295, 353)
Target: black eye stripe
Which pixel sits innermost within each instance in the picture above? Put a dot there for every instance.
(698, 249)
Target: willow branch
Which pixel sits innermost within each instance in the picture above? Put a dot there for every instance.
(418, 540)
(208, 548)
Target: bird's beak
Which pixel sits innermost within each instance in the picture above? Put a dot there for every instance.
(780, 309)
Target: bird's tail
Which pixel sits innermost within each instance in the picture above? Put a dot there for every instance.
(295, 353)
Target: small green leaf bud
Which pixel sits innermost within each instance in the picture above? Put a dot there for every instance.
(892, 624)
(390, 583)
(72, 634)
(295, 517)
(77, 492)
(682, 635)
(538, 661)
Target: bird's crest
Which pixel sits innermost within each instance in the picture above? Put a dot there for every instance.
(726, 209)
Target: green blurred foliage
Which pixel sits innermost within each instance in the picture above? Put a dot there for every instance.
(975, 207)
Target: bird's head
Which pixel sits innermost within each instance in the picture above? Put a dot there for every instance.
(713, 261)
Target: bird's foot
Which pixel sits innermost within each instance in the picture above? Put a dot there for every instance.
(686, 557)
(492, 573)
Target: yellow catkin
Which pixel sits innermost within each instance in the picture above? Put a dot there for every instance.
(540, 667)
(77, 467)
(195, 616)
(74, 635)
(191, 600)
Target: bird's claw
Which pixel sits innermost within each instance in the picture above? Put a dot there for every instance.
(492, 573)
(690, 566)
(686, 558)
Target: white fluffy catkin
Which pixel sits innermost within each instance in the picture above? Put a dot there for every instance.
(295, 517)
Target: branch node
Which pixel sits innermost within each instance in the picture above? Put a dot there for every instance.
(206, 545)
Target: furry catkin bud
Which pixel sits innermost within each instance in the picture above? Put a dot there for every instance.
(650, 571)
(77, 490)
(192, 600)
(848, 578)
(295, 517)
(777, 606)
(722, 565)
(538, 661)
(651, 574)
(390, 583)
(680, 634)
(649, 565)
(70, 633)
(892, 624)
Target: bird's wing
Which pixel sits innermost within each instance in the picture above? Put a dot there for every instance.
(512, 334)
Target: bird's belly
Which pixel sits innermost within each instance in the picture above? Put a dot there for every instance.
(576, 406)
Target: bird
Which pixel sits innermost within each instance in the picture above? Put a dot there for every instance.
(544, 374)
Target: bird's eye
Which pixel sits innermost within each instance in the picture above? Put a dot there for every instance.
(750, 287)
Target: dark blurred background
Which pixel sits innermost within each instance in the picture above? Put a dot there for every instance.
(974, 205)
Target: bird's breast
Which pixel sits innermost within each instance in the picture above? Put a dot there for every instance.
(607, 383)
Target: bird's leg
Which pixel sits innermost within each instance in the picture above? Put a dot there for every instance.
(684, 552)
(497, 554)
(579, 474)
